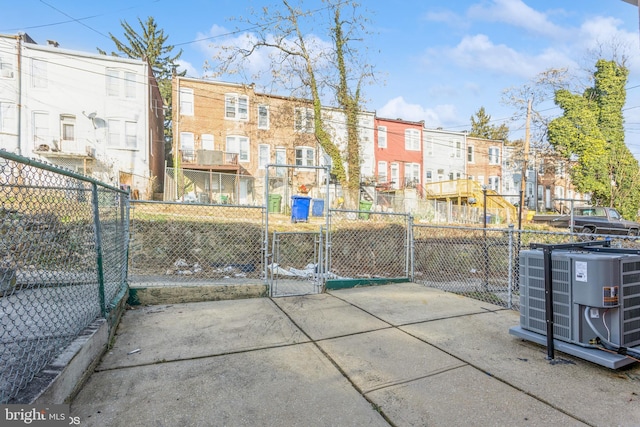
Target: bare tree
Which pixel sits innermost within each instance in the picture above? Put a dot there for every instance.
(307, 66)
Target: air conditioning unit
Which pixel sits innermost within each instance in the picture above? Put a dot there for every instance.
(596, 299)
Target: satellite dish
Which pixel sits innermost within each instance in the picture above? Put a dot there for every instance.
(92, 115)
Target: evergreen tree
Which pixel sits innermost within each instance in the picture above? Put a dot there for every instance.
(481, 127)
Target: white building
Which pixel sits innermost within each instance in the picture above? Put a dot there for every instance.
(94, 114)
(444, 155)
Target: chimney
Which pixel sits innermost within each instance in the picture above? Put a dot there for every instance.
(53, 43)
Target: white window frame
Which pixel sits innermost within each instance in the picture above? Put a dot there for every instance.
(206, 141)
(131, 135)
(412, 173)
(114, 132)
(39, 76)
(383, 173)
(263, 116)
(428, 175)
(67, 127)
(412, 140)
(429, 145)
(382, 137)
(494, 155)
(281, 159)
(130, 84)
(494, 183)
(458, 145)
(112, 79)
(303, 120)
(239, 145)
(305, 156)
(395, 174)
(6, 68)
(186, 101)
(8, 117)
(470, 154)
(41, 131)
(187, 146)
(236, 107)
(264, 155)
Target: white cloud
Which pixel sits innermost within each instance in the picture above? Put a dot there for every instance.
(398, 108)
(191, 70)
(479, 53)
(517, 14)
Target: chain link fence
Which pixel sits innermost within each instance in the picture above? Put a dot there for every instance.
(195, 243)
(484, 263)
(63, 252)
(366, 245)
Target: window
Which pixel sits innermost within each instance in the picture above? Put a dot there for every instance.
(382, 172)
(6, 67)
(41, 129)
(130, 85)
(263, 117)
(39, 73)
(122, 134)
(8, 117)
(412, 174)
(113, 82)
(303, 120)
(382, 137)
(207, 141)
(240, 146)
(494, 156)
(395, 175)
(470, 154)
(186, 102)
(130, 134)
(263, 156)
(281, 159)
(494, 183)
(305, 156)
(458, 149)
(187, 146)
(429, 146)
(429, 176)
(67, 128)
(113, 132)
(412, 139)
(236, 107)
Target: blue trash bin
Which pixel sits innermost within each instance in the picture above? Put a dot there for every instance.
(318, 207)
(300, 208)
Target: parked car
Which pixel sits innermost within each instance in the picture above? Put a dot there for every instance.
(597, 220)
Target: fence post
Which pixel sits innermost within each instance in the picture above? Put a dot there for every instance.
(98, 239)
(410, 248)
(510, 280)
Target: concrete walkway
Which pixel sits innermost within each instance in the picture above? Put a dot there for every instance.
(400, 354)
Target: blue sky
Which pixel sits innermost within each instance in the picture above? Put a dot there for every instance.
(437, 61)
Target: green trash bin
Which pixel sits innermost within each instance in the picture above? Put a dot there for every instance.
(274, 203)
(364, 205)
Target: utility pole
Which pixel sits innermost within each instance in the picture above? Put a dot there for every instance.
(523, 180)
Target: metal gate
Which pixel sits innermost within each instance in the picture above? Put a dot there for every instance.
(297, 263)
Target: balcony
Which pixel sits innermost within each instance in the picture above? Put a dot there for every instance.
(209, 160)
(66, 150)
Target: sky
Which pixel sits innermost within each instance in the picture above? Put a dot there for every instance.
(434, 61)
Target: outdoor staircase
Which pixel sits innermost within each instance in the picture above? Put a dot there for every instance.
(470, 192)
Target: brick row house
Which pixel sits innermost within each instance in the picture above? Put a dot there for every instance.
(225, 134)
(98, 115)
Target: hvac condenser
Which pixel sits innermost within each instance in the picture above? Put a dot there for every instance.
(596, 304)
